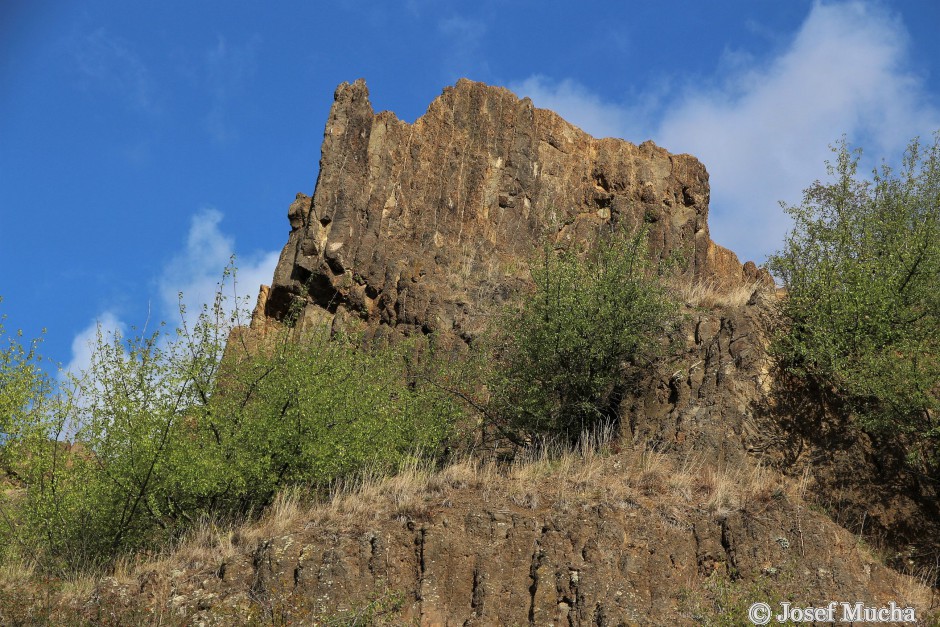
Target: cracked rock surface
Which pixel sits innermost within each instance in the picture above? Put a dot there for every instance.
(426, 227)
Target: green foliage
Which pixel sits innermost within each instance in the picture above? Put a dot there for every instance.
(23, 386)
(562, 355)
(311, 411)
(170, 432)
(720, 601)
(128, 411)
(862, 271)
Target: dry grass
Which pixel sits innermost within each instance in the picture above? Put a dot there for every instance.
(16, 569)
(710, 294)
(915, 589)
(546, 478)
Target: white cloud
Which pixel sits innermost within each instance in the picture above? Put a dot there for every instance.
(765, 133)
(195, 271)
(763, 129)
(83, 344)
(576, 104)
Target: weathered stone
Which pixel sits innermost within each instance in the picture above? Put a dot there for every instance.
(427, 226)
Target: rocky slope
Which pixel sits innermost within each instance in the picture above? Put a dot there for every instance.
(611, 538)
(686, 518)
(428, 227)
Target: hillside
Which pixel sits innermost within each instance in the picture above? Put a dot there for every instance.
(724, 482)
(687, 518)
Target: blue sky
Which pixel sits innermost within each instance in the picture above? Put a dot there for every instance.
(141, 143)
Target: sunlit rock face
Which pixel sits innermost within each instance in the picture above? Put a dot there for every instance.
(427, 226)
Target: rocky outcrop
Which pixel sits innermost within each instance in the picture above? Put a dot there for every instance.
(426, 226)
(723, 396)
(729, 484)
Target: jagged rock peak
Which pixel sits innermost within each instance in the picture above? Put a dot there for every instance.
(427, 225)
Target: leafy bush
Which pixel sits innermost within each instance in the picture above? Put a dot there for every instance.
(311, 411)
(171, 432)
(862, 271)
(23, 385)
(562, 354)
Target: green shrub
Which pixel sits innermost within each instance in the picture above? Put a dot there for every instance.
(170, 432)
(23, 386)
(862, 271)
(561, 356)
(129, 411)
(314, 410)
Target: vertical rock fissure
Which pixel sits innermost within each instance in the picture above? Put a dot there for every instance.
(536, 562)
(477, 593)
(263, 573)
(419, 558)
(372, 550)
(298, 568)
(727, 543)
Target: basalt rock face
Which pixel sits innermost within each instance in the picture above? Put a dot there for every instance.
(468, 560)
(426, 226)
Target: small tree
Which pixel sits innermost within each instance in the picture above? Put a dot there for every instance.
(112, 493)
(562, 354)
(172, 431)
(862, 271)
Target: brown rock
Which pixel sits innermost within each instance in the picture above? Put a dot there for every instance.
(425, 226)
(724, 269)
(607, 553)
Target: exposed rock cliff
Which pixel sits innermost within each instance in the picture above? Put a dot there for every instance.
(427, 225)
(628, 539)
(709, 501)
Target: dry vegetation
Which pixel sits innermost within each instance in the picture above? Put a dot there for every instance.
(551, 478)
(711, 294)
